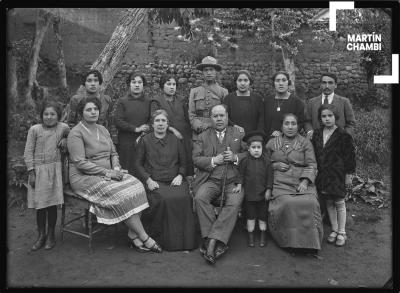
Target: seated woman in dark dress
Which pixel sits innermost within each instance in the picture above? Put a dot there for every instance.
(161, 167)
(177, 111)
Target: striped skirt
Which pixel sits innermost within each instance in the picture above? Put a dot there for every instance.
(115, 201)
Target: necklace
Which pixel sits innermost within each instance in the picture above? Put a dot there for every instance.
(88, 130)
(280, 102)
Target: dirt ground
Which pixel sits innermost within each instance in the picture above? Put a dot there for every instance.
(365, 261)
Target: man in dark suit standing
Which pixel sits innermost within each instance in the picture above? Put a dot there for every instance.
(217, 152)
(328, 85)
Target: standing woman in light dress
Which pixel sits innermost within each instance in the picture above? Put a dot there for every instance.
(44, 145)
(95, 174)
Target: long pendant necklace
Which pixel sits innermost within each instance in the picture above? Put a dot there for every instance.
(280, 103)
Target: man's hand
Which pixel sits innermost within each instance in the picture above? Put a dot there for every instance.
(219, 159)
(229, 156)
(151, 184)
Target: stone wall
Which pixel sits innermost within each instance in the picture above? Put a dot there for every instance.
(155, 48)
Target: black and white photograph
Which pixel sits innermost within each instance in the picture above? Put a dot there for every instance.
(201, 147)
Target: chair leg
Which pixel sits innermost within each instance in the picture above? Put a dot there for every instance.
(62, 221)
(88, 219)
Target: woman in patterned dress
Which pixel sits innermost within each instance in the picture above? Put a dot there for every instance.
(96, 175)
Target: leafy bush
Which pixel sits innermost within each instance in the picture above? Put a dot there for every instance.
(372, 137)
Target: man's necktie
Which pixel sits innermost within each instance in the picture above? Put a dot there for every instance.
(326, 100)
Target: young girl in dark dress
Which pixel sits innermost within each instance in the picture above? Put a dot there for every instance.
(335, 154)
(257, 179)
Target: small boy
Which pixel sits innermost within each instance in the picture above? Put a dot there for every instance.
(257, 178)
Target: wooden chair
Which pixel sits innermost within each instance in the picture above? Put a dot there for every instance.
(75, 201)
(91, 227)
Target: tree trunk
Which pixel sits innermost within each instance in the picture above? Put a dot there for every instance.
(62, 73)
(290, 68)
(12, 80)
(109, 60)
(42, 23)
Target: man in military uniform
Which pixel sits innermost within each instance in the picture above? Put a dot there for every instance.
(202, 98)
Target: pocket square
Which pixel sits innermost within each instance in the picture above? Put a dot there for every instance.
(236, 139)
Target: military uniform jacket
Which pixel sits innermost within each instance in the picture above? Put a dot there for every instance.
(201, 99)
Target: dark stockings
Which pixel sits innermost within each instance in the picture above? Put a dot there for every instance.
(41, 223)
(41, 214)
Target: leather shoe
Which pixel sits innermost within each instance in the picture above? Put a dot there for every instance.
(39, 242)
(221, 249)
(50, 242)
(138, 248)
(250, 239)
(263, 238)
(154, 248)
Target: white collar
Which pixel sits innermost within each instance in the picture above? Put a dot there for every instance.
(221, 132)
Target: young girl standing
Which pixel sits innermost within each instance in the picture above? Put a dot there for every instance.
(44, 145)
(335, 154)
(257, 179)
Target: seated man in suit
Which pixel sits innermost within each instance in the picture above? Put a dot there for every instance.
(328, 86)
(216, 153)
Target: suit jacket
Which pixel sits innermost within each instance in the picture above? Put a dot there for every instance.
(346, 120)
(205, 147)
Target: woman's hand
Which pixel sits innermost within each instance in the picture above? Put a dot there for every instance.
(116, 175)
(276, 133)
(32, 178)
(177, 180)
(239, 128)
(280, 166)
(151, 184)
(268, 194)
(237, 188)
(302, 186)
(175, 132)
(143, 128)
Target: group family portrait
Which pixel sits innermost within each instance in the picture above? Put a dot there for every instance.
(199, 147)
